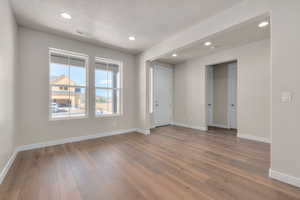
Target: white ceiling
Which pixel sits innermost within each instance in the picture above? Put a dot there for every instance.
(238, 35)
(111, 22)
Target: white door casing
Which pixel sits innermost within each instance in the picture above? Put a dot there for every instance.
(163, 95)
(232, 95)
(209, 94)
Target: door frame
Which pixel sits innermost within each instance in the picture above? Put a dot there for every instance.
(156, 66)
(206, 89)
(207, 80)
(229, 96)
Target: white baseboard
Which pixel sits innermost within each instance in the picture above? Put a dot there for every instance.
(255, 138)
(284, 178)
(7, 166)
(143, 131)
(72, 139)
(57, 142)
(201, 128)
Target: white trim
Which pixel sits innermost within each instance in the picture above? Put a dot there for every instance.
(156, 68)
(232, 68)
(143, 131)
(57, 142)
(255, 138)
(151, 90)
(201, 128)
(72, 139)
(209, 93)
(108, 60)
(108, 115)
(68, 54)
(119, 87)
(7, 166)
(292, 180)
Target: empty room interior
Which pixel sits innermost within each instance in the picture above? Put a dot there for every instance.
(149, 100)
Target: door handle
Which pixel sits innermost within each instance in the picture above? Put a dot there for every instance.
(209, 104)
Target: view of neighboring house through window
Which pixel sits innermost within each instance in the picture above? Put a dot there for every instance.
(107, 87)
(68, 84)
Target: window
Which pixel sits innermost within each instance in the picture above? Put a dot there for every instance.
(68, 84)
(107, 87)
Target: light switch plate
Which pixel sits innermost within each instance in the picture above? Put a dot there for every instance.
(286, 97)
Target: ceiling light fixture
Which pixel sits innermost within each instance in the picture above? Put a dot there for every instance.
(174, 55)
(263, 24)
(66, 15)
(132, 38)
(207, 43)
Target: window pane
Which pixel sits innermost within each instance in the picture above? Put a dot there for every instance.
(60, 102)
(67, 102)
(113, 75)
(110, 78)
(101, 75)
(107, 75)
(77, 101)
(59, 70)
(110, 108)
(66, 73)
(77, 72)
(106, 101)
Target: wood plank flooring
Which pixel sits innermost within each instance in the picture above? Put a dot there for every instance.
(172, 163)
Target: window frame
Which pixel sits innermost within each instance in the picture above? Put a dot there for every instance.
(120, 88)
(67, 53)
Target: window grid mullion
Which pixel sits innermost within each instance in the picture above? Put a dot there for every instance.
(68, 85)
(107, 88)
(64, 85)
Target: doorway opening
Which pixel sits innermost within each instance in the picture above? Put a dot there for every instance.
(221, 95)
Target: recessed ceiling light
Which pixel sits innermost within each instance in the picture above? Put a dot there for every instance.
(207, 43)
(66, 15)
(174, 55)
(132, 38)
(263, 24)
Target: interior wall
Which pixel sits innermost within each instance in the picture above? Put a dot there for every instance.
(8, 64)
(285, 46)
(285, 33)
(253, 89)
(220, 94)
(35, 126)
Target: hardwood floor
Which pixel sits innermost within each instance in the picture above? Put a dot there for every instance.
(172, 163)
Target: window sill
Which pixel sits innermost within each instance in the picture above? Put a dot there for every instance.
(108, 116)
(67, 118)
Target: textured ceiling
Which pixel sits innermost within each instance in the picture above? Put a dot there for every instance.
(239, 35)
(110, 22)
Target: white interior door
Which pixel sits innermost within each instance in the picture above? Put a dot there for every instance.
(163, 95)
(232, 95)
(209, 95)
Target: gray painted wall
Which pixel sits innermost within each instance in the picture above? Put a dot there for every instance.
(253, 89)
(35, 126)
